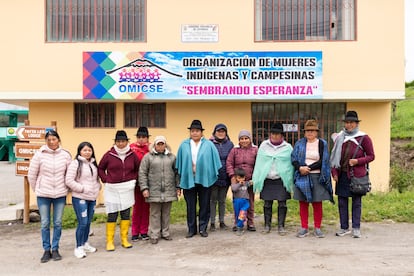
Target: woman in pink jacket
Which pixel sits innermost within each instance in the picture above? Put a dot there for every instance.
(244, 156)
(47, 178)
(82, 179)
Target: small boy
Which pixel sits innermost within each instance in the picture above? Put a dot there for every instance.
(240, 199)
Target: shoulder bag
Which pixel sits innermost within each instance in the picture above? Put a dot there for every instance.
(360, 185)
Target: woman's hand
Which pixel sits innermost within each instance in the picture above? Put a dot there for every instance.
(304, 170)
(353, 162)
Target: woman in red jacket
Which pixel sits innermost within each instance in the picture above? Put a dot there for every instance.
(118, 170)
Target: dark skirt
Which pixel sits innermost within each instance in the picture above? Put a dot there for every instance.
(274, 190)
(319, 193)
(342, 186)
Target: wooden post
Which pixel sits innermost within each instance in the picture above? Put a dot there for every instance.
(26, 208)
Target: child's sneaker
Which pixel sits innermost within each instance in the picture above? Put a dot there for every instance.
(239, 231)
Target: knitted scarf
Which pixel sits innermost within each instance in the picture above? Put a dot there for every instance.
(343, 137)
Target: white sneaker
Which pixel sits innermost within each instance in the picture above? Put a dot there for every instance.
(79, 252)
(89, 248)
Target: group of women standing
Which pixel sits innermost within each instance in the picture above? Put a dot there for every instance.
(52, 174)
(276, 170)
(149, 177)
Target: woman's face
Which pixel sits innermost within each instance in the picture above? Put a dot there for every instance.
(350, 125)
(311, 134)
(121, 143)
(52, 142)
(220, 133)
(142, 140)
(276, 136)
(160, 147)
(196, 134)
(86, 152)
(244, 141)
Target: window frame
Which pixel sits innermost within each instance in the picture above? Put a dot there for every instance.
(152, 115)
(97, 110)
(67, 23)
(342, 24)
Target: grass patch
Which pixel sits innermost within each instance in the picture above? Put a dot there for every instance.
(402, 121)
(376, 207)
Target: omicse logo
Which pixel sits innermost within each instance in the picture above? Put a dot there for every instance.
(140, 76)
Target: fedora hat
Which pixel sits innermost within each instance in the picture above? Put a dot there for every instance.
(143, 131)
(277, 128)
(351, 116)
(196, 124)
(121, 135)
(311, 125)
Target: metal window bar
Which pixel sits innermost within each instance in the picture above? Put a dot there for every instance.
(140, 114)
(328, 115)
(94, 115)
(290, 20)
(95, 20)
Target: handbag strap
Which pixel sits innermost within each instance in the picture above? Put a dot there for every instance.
(351, 172)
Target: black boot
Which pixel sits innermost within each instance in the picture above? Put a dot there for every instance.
(267, 212)
(281, 217)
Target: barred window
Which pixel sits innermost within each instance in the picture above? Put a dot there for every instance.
(293, 117)
(94, 115)
(305, 20)
(95, 21)
(144, 114)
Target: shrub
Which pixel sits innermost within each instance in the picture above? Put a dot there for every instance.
(401, 179)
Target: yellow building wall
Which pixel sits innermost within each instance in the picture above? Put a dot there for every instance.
(375, 61)
(51, 73)
(375, 121)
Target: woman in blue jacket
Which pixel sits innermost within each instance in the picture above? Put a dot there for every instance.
(197, 163)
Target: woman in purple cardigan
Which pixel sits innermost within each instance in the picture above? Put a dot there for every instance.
(348, 143)
(244, 156)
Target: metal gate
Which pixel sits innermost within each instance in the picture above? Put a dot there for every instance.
(293, 117)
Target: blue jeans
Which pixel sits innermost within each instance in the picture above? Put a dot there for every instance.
(45, 206)
(240, 206)
(84, 210)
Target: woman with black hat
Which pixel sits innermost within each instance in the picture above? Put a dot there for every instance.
(273, 176)
(197, 163)
(353, 150)
(118, 170)
(141, 209)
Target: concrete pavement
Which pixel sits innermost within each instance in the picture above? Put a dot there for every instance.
(12, 192)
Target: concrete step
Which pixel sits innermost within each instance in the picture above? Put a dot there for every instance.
(12, 212)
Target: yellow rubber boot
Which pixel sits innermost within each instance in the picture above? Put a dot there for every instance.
(124, 225)
(110, 233)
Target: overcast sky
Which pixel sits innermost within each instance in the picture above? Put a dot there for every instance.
(409, 40)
